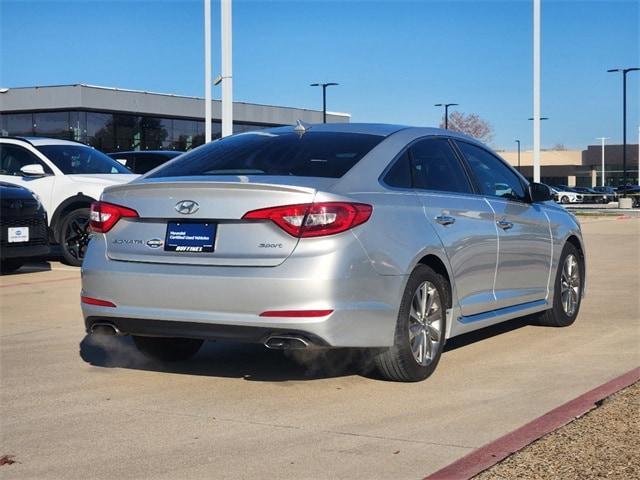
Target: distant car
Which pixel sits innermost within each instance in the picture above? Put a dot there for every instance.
(67, 176)
(609, 193)
(564, 194)
(23, 227)
(590, 195)
(143, 161)
(632, 191)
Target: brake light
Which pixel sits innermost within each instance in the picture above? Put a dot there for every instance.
(105, 215)
(314, 219)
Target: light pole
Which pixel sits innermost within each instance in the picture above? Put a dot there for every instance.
(536, 89)
(324, 97)
(226, 70)
(446, 112)
(624, 122)
(518, 142)
(603, 140)
(207, 71)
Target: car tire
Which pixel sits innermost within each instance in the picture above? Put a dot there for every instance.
(168, 349)
(564, 199)
(569, 281)
(408, 360)
(74, 236)
(10, 265)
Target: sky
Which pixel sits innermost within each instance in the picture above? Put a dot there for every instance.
(393, 59)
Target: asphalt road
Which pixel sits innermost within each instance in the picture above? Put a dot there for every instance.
(72, 407)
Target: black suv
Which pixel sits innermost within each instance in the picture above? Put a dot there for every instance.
(23, 227)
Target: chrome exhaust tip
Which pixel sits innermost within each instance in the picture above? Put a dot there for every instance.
(104, 328)
(286, 342)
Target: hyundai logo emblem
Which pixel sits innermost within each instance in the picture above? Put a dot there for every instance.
(187, 207)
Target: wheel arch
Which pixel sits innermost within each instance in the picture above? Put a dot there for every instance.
(72, 203)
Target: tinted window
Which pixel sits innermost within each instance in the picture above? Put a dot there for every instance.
(399, 175)
(72, 159)
(494, 178)
(436, 167)
(13, 158)
(314, 154)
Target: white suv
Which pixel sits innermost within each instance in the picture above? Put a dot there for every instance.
(67, 176)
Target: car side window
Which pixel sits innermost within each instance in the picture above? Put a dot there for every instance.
(436, 167)
(399, 175)
(494, 178)
(13, 158)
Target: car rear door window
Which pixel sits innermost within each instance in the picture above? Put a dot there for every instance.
(399, 175)
(436, 167)
(493, 176)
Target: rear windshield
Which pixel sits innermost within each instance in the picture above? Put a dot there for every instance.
(313, 154)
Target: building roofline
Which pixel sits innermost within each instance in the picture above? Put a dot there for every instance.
(172, 95)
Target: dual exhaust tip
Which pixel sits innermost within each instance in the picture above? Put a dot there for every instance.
(274, 342)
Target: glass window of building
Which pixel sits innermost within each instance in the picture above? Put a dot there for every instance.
(17, 124)
(156, 133)
(100, 131)
(52, 124)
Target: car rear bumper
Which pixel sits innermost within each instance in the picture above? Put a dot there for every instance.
(226, 302)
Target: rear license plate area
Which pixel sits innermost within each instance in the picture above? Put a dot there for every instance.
(190, 237)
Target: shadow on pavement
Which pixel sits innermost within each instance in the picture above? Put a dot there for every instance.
(30, 267)
(255, 362)
(233, 360)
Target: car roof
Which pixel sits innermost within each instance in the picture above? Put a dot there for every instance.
(36, 141)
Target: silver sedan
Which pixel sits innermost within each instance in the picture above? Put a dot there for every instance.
(341, 235)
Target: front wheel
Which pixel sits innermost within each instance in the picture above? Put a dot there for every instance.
(420, 328)
(567, 293)
(74, 236)
(168, 349)
(564, 199)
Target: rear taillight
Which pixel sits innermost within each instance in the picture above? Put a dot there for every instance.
(105, 215)
(314, 219)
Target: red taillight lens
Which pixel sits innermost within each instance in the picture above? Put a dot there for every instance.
(97, 301)
(105, 215)
(314, 219)
(296, 313)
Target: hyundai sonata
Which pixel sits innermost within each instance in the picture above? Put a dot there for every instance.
(340, 235)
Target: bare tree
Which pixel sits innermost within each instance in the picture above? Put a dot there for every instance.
(470, 124)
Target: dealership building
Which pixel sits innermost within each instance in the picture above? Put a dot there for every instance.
(113, 119)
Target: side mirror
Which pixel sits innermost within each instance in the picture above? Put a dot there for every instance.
(539, 192)
(33, 170)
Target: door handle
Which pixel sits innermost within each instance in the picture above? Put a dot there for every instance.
(445, 219)
(503, 224)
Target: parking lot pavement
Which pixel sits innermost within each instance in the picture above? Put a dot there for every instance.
(74, 407)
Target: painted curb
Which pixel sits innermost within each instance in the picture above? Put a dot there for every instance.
(497, 450)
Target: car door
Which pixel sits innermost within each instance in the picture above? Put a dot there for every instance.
(524, 235)
(463, 220)
(12, 158)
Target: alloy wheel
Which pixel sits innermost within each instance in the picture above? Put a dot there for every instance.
(77, 236)
(425, 323)
(570, 285)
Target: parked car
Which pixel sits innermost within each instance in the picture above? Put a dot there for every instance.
(67, 176)
(632, 191)
(609, 193)
(590, 195)
(564, 194)
(331, 235)
(23, 227)
(143, 161)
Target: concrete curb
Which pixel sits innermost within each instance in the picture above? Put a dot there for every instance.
(493, 452)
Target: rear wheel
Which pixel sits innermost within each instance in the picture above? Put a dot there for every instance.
(567, 290)
(10, 265)
(168, 349)
(74, 236)
(420, 328)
